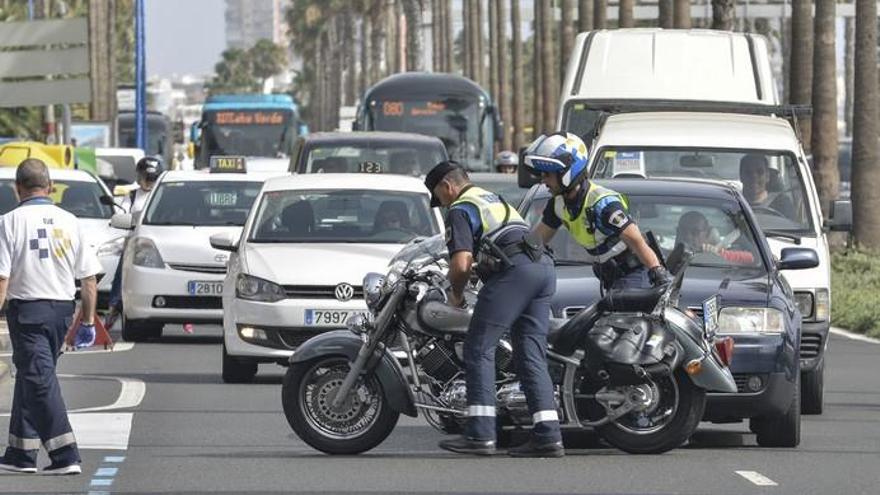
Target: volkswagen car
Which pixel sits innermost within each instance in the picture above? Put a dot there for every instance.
(296, 269)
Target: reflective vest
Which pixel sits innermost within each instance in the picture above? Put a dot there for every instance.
(496, 216)
(582, 227)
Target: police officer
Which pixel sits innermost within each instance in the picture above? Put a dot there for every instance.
(148, 170)
(42, 253)
(506, 162)
(519, 280)
(596, 217)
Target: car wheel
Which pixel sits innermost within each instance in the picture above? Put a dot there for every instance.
(140, 330)
(813, 390)
(783, 430)
(237, 370)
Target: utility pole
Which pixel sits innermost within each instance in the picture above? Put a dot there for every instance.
(140, 118)
(39, 9)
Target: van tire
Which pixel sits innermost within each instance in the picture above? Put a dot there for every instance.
(813, 390)
(237, 370)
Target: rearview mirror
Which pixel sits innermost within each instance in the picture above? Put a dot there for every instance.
(225, 241)
(841, 216)
(798, 259)
(697, 161)
(122, 221)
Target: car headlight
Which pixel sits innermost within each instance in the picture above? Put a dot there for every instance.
(750, 320)
(804, 301)
(146, 254)
(823, 305)
(373, 283)
(394, 272)
(256, 289)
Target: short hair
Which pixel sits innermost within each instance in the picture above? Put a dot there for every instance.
(753, 160)
(457, 176)
(32, 174)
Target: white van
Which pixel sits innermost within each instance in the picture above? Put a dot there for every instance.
(713, 146)
(641, 65)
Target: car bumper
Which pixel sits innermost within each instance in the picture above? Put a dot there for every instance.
(772, 399)
(814, 341)
(283, 322)
(142, 286)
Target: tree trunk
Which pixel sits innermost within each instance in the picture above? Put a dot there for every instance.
(723, 14)
(625, 17)
(350, 57)
(447, 36)
(435, 36)
(412, 11)
(567, 33)
(681, 11)
(366, 69)
(467, 68)
(493, 51)
(538, 71)
(824, 136)
(665, 18)
(503, 56)
(865, 172)
(336, 70)
(800, 80)
(390, 20)
(480, 60)
(585, 15)
(377, 44)
(518, 96)
(600, 14)
(848, 73)
(549, 66)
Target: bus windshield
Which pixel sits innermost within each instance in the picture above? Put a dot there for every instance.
(460, 123)
(258, 133)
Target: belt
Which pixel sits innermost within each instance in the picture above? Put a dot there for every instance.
(626, 262)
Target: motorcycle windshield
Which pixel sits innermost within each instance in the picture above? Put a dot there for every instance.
(421, 251)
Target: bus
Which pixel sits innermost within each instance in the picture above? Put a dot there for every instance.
(450, 107)
(160, 141)
(249, 125)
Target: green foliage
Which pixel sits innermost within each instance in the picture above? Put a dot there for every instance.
(855, 285)
(124, 42)
(245, 71)
(267, 59)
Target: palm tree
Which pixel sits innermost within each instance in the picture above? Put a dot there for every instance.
(723, 14)
(503, 57)
(600, 14)
(849, 39)
(538, 69)
(865, 171)
(349, 56)
(665, 14)
(800, 85)
(824, 138)
(467, 66)
(447, 35)
(412, 11)
(493, 50)
(585, 15)
(681, 12)
(567, 39)
(518, 96)
(548, 67)
(377, 40)
(625, 17)
(479, 48)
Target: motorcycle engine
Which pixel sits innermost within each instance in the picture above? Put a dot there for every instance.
(438, 361)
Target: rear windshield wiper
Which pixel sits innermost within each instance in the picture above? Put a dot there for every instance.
(783, 235)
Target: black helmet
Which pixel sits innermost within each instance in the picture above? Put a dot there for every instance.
(150, 167)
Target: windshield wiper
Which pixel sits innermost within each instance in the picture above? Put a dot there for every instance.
(776, 234)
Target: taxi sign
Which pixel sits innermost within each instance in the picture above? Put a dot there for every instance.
(228, 165)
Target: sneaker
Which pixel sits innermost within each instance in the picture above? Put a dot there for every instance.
(14, 468)
(535, 449)
(463, 445)
(54, 470)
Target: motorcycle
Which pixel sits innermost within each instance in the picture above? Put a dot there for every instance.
(632, 367)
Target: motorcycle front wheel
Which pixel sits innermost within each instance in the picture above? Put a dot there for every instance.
(670, 409)
(361, 422)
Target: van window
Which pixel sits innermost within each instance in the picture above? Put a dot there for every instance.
(770, 181)
(578, 118)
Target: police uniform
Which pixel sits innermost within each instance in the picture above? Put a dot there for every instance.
(595, 220)
(515, 297)
(42, 253)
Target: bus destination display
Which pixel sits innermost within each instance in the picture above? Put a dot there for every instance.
(249, 118)
(412, 108)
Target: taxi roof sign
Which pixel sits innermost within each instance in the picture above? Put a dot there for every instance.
(228, 165)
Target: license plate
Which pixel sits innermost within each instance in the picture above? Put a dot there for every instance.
(323, 317)
(197, 288)
(710, 315)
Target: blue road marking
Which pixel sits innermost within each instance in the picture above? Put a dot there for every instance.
(101, 482)
(106, 472)
(114, 458)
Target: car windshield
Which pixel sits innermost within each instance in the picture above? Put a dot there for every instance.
(202, 203)
(374, 156)
(717, 232)
(770, 182)
(81, 198)
(263, 133)
(361, 216)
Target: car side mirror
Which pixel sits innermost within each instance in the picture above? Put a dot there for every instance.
(122, 221)
(841, 216)
(107, 200)
(524, 177)
(225, 241)
(798, 259)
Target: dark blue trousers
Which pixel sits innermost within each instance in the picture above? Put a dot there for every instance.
(39, 416)
(516, 300)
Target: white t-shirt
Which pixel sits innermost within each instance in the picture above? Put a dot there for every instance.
(140, 200)
(43, 252)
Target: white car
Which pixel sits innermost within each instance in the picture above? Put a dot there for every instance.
(170, 272)
(80, 193)
(296, 271)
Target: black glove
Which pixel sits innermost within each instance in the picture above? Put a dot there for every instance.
(659, 276)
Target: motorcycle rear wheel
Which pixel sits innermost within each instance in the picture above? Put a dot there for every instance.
(362, 422)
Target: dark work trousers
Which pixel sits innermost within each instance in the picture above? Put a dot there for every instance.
(39, 416)
(116, 285)
(515, 300)
(637, 279)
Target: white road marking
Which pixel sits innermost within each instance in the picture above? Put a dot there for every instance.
(757, 478)
(853, 336)
(104, 431)
(131, 393)
(118, 347)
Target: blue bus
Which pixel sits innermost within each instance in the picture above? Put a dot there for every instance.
(248, 125)
(450, 107)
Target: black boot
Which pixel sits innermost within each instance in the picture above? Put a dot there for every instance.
(537, 448)
(464, 445)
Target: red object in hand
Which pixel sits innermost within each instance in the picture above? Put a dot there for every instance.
(724, 347)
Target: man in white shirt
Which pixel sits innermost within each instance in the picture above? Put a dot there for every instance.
(42, 254)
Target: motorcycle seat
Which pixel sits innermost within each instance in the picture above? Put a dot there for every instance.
(444, 318)
(631, 300)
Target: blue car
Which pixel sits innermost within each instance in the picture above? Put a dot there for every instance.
(732, 267)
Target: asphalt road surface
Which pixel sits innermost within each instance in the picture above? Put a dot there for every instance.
(156, 418)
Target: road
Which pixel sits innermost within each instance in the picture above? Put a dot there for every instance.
(174, 427)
